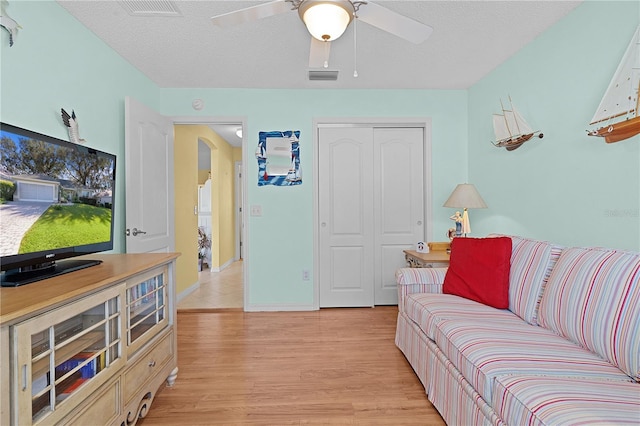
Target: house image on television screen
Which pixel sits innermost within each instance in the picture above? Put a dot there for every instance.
(42, 188)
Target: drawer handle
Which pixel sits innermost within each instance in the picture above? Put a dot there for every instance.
(152, 363)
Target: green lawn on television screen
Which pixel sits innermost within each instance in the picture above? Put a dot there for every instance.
(68, 226)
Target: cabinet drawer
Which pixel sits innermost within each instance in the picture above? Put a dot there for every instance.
(147, 366)
(103, 408)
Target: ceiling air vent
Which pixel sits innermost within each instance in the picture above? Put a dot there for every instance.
(150, 8)
(323, 75)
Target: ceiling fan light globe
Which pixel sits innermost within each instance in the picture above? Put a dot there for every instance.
(326, 20)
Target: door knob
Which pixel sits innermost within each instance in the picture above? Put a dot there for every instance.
(137, 231)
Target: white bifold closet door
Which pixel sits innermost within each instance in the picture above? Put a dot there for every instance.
(371, 208)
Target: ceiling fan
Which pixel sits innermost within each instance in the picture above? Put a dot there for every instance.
(326, 20)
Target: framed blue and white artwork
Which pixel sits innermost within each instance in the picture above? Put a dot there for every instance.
(278, 156)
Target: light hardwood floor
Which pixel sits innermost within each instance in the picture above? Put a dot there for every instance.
(333, 366)
(217, 290)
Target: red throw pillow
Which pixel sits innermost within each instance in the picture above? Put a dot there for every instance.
(479, 270)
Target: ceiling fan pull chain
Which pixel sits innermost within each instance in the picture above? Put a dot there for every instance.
(355, 46)
(326, 54)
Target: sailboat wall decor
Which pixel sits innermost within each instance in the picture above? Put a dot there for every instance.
(617, 114)
(511, 129)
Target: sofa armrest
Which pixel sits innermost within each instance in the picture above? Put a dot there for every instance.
(418, 280)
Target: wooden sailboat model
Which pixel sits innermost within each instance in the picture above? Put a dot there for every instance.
(511, 129)
(617, 114)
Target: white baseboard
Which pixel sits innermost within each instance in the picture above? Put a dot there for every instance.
(223, 267)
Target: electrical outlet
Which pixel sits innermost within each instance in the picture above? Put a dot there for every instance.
(256, 210)
(305, 275)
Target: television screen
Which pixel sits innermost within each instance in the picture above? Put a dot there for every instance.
(56, 202)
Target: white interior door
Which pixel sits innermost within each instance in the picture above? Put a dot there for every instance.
(149, 179)
(398, 182)
(345, 217)
(371, 208)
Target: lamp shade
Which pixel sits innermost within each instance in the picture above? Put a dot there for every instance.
(466, 196)
(326, 20)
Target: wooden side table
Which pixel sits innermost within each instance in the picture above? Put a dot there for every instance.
(433, 259)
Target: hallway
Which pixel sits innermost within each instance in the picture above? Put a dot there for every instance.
(218, 290)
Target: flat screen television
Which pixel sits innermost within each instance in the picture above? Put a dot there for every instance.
(56, 202)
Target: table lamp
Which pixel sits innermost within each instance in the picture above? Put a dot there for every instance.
(465, 196)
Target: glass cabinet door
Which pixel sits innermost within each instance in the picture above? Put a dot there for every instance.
(146, 308)
(62, 351)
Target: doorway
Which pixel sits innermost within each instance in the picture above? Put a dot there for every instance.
(219, 283)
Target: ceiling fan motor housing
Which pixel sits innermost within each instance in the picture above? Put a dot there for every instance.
(326, 20)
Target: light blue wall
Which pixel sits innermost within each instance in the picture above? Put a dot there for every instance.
(56, 63)
(281, 241)
(568, 188)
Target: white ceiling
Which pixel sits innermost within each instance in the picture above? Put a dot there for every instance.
(470, 39)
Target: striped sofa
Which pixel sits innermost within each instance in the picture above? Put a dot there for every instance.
(567, 351)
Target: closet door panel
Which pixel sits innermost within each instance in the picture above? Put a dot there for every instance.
(398, 187)
(345, 217)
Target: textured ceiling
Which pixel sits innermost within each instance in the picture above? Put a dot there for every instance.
(470, 39)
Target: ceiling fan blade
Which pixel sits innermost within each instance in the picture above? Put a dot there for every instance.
(319, 53)
(250, 14)
(394, 23)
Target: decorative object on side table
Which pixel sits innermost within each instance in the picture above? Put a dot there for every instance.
(440, 246)
(422, 247)
(617, 114)
(457, 218)
(465, 196)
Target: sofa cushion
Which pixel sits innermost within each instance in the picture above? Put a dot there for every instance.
(479, 270)
(536, 400)
(426, 310)
(593, 299)
(531, 265)
(483, 350)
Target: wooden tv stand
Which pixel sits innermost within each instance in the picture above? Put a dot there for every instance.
(89, 347)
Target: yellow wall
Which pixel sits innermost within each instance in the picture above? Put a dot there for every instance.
(185, 160)
(223, 201)
(203, 175)
(186, 181)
